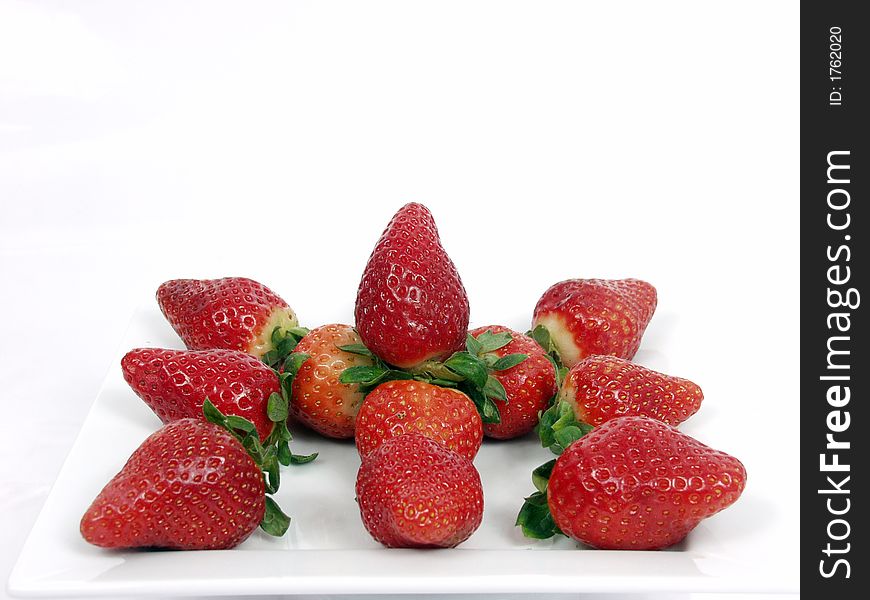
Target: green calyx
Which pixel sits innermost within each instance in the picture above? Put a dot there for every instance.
(542, 335)
(559, 427)
(477, 366)
(470, 371)
(275, 449)
(534, 517)
(369, 377)
(278, 410)
(284, 341)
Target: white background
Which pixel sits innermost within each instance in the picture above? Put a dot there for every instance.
(142, 141)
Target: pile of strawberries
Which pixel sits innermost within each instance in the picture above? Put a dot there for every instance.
(418, 392)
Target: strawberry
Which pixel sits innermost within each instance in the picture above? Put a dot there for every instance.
(529, 381)
(633, 483)
(399, 407)
(233, 313)
(319, 399)
(594, 316)
(600, 388)
(415, 493)
(189, 486)
(175, 383)
(411, 306)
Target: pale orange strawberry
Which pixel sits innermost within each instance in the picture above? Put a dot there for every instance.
(319, 399)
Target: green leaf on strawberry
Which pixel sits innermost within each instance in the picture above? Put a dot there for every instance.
(494, 389)
(470, 371)
(469, 367)
(240, 424)
(473, 346)
(363, 375)
(506, 362)
(476, 367)
(542, 335)
(370, 377)
(357, 349)
(490, 342)
(558, 427)
(301, 459)
(277, 408)
(541, 475)
(274, 522)
(284, 341)
(534, 517)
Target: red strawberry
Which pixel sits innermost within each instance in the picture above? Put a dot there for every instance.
(416, 493)
(406, 406)
(233, 313)
(411, 305)
(529, 385)
(191, 485)
(596, 316)
(633, 483)
(319, 400)
(600, 388)
(175, 383)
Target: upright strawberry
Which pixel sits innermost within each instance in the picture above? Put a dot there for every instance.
(526, 374)
(319, 399)
(600, 388)
(189, 486)
(411, 305)
(595, 316)
(399, 407)
(233, 313)
(415, 493)
(175, 383)
(633, 483)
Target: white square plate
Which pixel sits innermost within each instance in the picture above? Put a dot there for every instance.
(749, 547)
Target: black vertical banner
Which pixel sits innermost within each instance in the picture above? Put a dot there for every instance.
(835, 344)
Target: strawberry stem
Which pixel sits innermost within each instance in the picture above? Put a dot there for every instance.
(470, 371)
(274, 451)
(542, 335)
(275, 522)
(477, 364)
(284, 341)
(368, 378)
(558, 427)
(278, 410)
(541, 475)
(534, 517)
